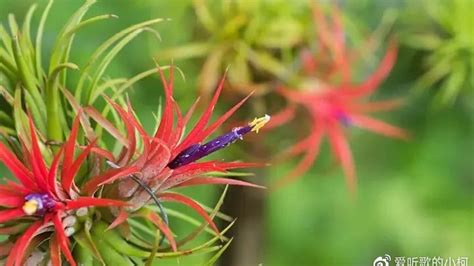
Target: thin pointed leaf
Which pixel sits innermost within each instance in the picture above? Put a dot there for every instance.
(168, 196)
(39, 40)
(214, 258)
(102, 48)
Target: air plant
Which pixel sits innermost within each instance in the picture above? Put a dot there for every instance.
(333, 100)
(167, 160)
(46, 201)
(250, 36)
(449, 46)
(72, 194)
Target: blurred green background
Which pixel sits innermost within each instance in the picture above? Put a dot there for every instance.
(414, 198)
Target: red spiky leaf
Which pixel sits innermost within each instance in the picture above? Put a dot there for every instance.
(90, 201)
(63, 240)
(16, 256)
(168, 196)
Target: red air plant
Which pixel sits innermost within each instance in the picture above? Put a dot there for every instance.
(44, 196)
(333, 105)
(167, 159)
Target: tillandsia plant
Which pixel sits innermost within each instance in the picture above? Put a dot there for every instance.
(334, 101)
(449, 61)
(46, 203)
(251, 36)
(71, 195)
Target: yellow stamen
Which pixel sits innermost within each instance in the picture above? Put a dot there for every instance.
(258, 123)
(30, 207)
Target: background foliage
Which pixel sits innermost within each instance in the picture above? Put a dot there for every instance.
(415, 198)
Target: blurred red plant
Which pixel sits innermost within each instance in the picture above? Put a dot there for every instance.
(39, 196)
(333, 100)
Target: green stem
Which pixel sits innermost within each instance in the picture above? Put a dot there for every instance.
(83, 256)
(53, 127)
(53, 103)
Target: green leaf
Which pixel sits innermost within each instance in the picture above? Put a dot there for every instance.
(84, 239)
(426, 41)
(6, 39)
(7, 131)
(213, 214)
(214, 258)
(110, 255)
(21, 120)
(6, 95)
(283, 32)
(8, 61)
(102, 88)
(156, 245)
(188, 252)
(64, 40)
(231, 28)
(211, 71)
(83, 255)
(204, 15)
(10, 75)
(61, 67)
(203, 248)
(192, 50)
(115, 240)
(435, 74)
(38, 115)
(5, 119)
(267, 62)
(14, 29)
(123, 85)
(137, 225)
(53, 103)
(89, 132)
(27, 77)
(27, 44)
(105, 63)
(239, 72)
(39, 39)
(85, 73)
(189, 219)
(453, 83)
(131, 81)
(86, 23)
(139, 242)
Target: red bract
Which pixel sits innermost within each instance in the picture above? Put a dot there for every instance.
(333, 105)
(39, 196)
(152, 163)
